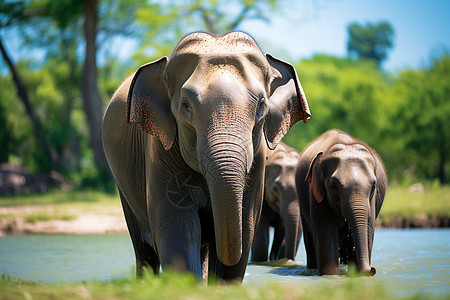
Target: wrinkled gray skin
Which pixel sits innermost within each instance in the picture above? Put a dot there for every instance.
(280, 208)
(190, 165)
(341, 183)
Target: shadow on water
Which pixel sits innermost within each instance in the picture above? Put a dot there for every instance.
(287, 267)
(295, 271)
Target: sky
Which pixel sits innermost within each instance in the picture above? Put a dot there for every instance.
(304, 28)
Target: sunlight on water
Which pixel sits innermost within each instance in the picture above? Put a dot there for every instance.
(407, 261)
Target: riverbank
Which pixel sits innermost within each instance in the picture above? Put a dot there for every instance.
(73, 212)
(34, 219)
(88, 212)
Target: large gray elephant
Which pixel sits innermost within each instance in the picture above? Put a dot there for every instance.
(184, 138)
(280, 208)
(341, 183)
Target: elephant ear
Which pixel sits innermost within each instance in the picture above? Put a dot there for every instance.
(380, 174)
(148, 102)
(287, 101)
(315, 179)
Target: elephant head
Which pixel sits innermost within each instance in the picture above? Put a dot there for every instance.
(281, 196)
(351, 178)
(214, 98)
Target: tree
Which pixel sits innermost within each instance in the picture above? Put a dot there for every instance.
(58, 28)
(11, 13)
(164, 24)
(343, 93)
(216, 15)
(372, 41)
(424, 114)
(89, 87)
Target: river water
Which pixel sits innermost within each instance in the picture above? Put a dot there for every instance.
(407, 261)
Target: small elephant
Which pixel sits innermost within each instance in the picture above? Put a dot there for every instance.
(280, 207)
(341, 183)
(185, 138)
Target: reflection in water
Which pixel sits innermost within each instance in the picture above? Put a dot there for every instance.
(406, 260)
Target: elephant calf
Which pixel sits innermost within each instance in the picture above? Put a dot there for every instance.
(280, 207)
(341, 183)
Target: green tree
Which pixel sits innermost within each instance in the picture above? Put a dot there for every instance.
(6, 134)
(423, 118)
(164, 24)
(12, 13)
(344, 94)
(57, 28)
(372, 41)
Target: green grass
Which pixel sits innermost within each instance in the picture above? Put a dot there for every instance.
(47, 216)
(61, 205)
(61, 197)
(182, 286)
(399, 202)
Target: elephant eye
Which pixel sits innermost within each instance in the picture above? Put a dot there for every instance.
(186, 110)
(334, 184)
(261, 108)
(185, 104)
(372, 191)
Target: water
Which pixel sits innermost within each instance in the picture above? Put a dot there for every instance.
(407, 261)
(66, 258)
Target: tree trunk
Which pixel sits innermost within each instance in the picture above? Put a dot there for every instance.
(91, 97)
(23, 95)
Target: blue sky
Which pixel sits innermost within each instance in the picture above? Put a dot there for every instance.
(306, 27)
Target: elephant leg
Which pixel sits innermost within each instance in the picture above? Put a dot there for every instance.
(326, 242)
(311, 261)
(146, 256)
(278, 250)
(260, 246)
(204, 257)
(179, 240)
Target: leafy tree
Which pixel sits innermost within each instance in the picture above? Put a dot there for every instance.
(57, 28)
(10, 14)
(6, 134)
(372, 41)
(164, 24)
(423, 118)
(344, 94)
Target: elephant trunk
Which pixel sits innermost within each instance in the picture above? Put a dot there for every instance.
(356, 211)
(291, 218)
(225, 169)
